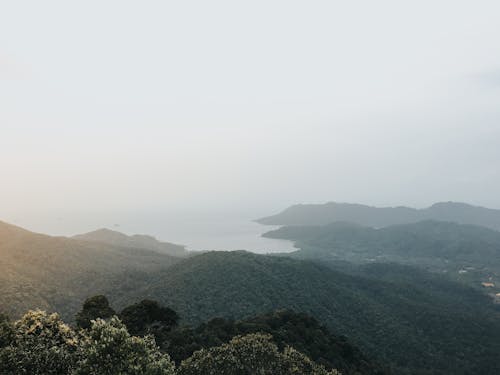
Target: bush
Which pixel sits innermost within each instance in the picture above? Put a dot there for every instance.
(249, 355)
(108, 349)
(148, 315)
(40, 344)
(93, 308)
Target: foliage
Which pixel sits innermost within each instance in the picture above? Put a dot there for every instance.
(42, 344)
(57, 273)
(464, 253)
(287, 328)
(148, 316)
(6, 331)
(420, 322)
(249, 355)
(412, 320)
(93, 308)
(108, 349)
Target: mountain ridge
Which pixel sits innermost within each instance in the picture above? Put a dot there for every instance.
(321, 214)
(412, 320)
(56, 273)
(136, 241)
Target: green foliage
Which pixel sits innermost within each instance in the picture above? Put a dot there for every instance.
(42, 344)
(93, 308)
(148, 316)
(249, 355)
(57, 273)
(415, 321)
(422, 323)
(108, 349)
(6, 331)
(464, 253)
(287, 328)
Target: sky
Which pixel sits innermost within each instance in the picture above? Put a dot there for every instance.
(231, 106)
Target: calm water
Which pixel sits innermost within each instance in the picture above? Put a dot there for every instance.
(197, 232)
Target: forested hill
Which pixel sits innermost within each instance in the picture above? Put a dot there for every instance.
(466, 253)
(56, 273)
(321, 214)
(416, 322)
(429, 324)
(137, 241)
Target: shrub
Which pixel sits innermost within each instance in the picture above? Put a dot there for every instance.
(249, 355)
(108, 349)
(40, 344)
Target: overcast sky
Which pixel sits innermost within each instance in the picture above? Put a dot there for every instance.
(251, 106)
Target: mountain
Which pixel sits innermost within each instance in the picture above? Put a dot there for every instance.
(377, 217)
(420, 323)
(412, 320)
(56, 273)
(466, 253)
(137, 241)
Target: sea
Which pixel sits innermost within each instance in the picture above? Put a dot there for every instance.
(195, 231)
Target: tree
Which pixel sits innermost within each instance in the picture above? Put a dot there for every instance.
(93, 308)
(6, 331)
(249, 355)
(108, 349)
(40, 344)
(148, 315)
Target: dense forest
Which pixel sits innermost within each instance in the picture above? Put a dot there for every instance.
(465, 253)
(57, 273)
(405, 318)
(426, 323)
(287, 328)
(145, 338)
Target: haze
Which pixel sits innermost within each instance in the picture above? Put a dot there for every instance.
(110, 107)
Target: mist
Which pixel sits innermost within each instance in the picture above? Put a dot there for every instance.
(119, 110)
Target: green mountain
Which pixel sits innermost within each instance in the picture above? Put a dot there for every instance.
(57, 273)
(415, 321)
(465, 253)
(377, 217)
(422, 325)
(137, 241)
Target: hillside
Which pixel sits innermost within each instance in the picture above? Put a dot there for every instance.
(430, 324)
(57, 273)
(466, 253)
(399, 315)
(377, 217)
(136, 241)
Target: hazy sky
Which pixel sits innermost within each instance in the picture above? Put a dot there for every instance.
(253, 106)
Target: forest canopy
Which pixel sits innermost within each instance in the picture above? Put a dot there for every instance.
(42, 344)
